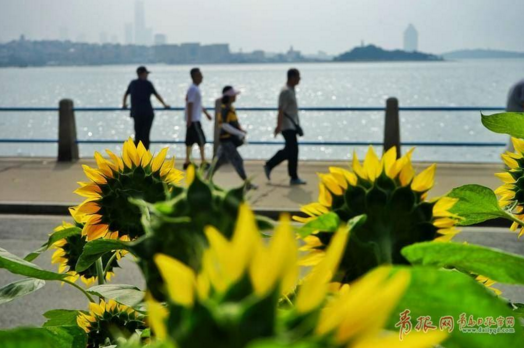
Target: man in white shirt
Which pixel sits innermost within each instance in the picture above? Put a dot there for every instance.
(193, 115)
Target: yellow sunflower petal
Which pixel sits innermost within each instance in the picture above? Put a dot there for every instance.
(518, 144)
(157, 317)
(324, 196)
(117, 161)
(350, 177)
(332, 184)
(314, 288)
(425, 180)
(357, 167)
(389, 159)
(372, 164)
(93, 174)
(179, 278)
(159, 160)
(509, 161)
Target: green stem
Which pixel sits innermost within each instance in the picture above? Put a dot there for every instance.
(289, 301)
(515, 219)
(80, 288)
(109, 264)
(100, 271)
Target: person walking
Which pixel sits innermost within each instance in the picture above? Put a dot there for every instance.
(288, 124)
(142, 112)
(231, 136)
(193, 115)
(515, 103)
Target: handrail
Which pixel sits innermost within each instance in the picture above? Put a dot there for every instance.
(318, 109)
(305, 143)
(68, 142)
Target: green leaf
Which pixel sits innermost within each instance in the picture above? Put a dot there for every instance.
(128, 295)
(55, 237)
(47, 337)
(19, 288)
(16, 265)
(511, 123)
(476, 204)
(328, 222)
(440, 293)
(495, 264)
(61, 317)
(96, 249)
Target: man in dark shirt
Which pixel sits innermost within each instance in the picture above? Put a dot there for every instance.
(141, 109)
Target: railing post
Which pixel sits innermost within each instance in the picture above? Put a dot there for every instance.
(216, 129)
(67, 145)
(392, 126)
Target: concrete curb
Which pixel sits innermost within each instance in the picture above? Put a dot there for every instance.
(43, 208)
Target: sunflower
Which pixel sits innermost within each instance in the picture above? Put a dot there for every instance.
(232, 301)
(512, 191)
(107, 319)
(176, 227)
(69, 249)
(394, 199)
(137, 174)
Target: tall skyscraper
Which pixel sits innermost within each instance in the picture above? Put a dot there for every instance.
(143, 35)
(128, 34)
(411, 39)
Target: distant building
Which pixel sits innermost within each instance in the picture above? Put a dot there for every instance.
(258, 55)
(128, 34)
(114, 39)
(143, 35)
(293, 55)
(160, 39)
(217, 53)
(411, 39)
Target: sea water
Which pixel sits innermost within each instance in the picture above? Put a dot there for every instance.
(474, 83)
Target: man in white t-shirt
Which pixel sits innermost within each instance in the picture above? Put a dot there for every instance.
(193, 115)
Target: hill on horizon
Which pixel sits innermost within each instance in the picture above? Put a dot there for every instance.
(372, 53)
(482, 54)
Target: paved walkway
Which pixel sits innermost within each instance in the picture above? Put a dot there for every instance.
(44, 181)
(23, 234)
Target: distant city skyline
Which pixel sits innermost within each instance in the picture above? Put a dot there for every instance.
(272, 26)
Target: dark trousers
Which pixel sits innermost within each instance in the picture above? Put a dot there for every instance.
(228, 152)
(142, 129)
(289, 153)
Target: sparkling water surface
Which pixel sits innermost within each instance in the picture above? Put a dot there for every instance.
(451, 83)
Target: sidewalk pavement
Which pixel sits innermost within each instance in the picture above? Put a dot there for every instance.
(45, 182)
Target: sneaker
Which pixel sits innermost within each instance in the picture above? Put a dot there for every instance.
(251, 186)
(267, 171)
(186, 165)
(297, 181)
(205, 166)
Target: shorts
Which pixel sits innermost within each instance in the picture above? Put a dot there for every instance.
(195, 135)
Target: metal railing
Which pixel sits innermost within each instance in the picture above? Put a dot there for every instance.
(68, 142)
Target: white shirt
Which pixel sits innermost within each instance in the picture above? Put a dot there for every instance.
(193, 96)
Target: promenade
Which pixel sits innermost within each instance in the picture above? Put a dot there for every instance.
(45, 182)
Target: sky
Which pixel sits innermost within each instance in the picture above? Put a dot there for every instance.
(332, 26)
